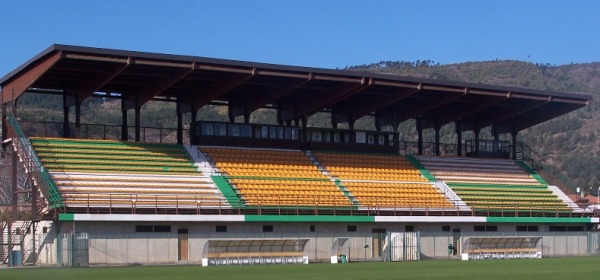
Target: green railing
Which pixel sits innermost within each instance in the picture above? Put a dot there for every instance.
(39, 173)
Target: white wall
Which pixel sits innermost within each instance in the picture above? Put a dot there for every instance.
(118, 243)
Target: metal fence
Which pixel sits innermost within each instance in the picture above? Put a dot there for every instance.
(73, 249)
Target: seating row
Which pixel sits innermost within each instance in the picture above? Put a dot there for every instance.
(276, 177)
(104, 173)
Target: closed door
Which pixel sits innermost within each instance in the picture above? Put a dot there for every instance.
(377, 244)
(182, 244)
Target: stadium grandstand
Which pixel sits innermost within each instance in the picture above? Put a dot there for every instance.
(245, 192)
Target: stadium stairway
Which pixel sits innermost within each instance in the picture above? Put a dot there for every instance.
(201, 160)
(567, 200)
(335, 179)
(443, 188)
(105, 173)
(275, 178)
(18, 232)
(383, 182)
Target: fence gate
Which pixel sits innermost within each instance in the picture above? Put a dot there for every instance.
(403, 246)
(594, 243)
(73, 249)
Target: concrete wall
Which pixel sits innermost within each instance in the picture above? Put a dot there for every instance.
(118, 243)
(45, 237)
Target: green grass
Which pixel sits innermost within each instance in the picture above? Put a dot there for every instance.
(543, 269)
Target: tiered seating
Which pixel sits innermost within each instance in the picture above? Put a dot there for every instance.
(383, 181)
(276, 177)
(493, 184)
(111, 173)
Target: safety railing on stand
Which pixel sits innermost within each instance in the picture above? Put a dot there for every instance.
(28, 155)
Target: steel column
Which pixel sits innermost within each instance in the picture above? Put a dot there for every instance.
(514, 144)
(419, 138)
(4, 122)
(193, 127)
(137, 112)
(437, 140)
(179, 126)
(458, 139)
(66, 132)
(124, 132)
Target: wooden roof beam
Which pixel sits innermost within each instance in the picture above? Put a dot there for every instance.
(90, 87)
(538, 115)
(147, 93)
(378, 103)
(274, 94)
(206, 98)
(508, 114)
(416, 111)
(473, 109)
(316, 104)
(19, 84)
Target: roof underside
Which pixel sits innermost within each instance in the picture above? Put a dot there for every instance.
(297, 91)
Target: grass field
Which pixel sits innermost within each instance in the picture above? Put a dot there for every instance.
(546, 269)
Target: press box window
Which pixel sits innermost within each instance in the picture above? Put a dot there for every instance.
(221, 229)
(268, 228)
(527, 228)
(162, 228)
(144, 229)
(485, 228)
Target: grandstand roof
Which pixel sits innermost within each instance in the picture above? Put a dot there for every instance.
(297, 91)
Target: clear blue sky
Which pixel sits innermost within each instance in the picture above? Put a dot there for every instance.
(321, 33)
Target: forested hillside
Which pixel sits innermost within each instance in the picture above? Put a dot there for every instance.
(569, 143)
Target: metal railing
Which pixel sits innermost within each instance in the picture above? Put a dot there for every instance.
(290, 205)
(527, 155)
(412, 147)
(550, 173)
(101, 131)
(33, 164)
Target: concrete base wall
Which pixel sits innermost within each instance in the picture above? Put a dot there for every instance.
(112, 243)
